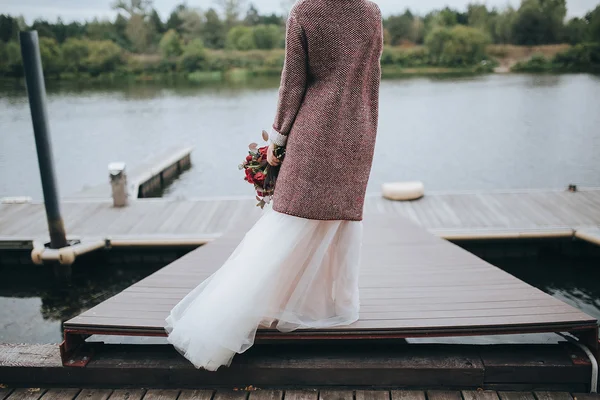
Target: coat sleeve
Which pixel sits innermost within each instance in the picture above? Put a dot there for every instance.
(293, 81)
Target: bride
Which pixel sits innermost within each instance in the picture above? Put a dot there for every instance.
(298, 267)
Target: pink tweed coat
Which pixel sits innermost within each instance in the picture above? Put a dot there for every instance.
(328, 108)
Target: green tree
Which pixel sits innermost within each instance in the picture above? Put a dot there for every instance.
(539, 22)
(170, 44)
(120, 32)
(139, 33)
(267, 37)
(400, 27)
(156, 23)
(530, 24)
(75, 53)
(100, 30)
(133, 7)
(503, 26)
(241, 38)
(175, 22)
(9, 28)
(272, 19)
(232, 9)
(593, 20)
(555, 12)
(10, 59)
(213, 30)
(456, 46)
(104, 56)
(193, 57)
(252, 16)
(418, 31)
(576, 31)
(43, 28)
(478, 16)
(192, 23)
(52, 60)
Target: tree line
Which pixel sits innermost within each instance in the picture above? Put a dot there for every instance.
(231, 35)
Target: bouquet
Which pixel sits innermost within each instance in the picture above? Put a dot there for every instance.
(259, 173)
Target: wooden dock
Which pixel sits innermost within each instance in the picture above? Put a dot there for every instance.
(465, 215)
(147, 178)
(342, 365)
(412, 284)
(252, 393)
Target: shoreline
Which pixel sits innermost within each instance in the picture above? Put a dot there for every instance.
(248, 76)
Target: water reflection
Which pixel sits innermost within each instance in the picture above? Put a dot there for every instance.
(544, 80)
(574, 281)
(33, 306)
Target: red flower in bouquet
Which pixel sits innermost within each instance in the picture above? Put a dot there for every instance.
(259, 178)
(259, 173)
(263, 152)
(249, 176)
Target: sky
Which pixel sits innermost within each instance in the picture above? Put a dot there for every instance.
(80, 10)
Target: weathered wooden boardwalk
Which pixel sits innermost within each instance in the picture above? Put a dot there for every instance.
(409, 281)
(148, 177)
(254, 394)
(507, 214)
(412, 284)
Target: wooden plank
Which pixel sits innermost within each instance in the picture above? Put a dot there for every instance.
(479, 395)
(5, 392)
(443, 395)
(301, 395)
(266, 395)
(408, 395)
(196, 395)
(127, 394)
(586, 396)
(392, 314)
(26, 394)
(516, 396)
(164, 394)
(336, 395)
(230, 395)
(552, 396)
(372, 395)
(60, 394)
(94, 394)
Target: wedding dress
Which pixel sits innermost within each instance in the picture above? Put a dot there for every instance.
(290, 272)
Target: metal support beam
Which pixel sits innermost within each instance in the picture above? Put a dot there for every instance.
(36, 90)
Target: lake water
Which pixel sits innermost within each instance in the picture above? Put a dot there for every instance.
(33, 307)
(486, 132)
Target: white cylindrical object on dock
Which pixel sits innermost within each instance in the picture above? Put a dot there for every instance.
(403, 190)
(118, 183)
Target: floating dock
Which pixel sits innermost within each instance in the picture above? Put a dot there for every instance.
(148, 178)
(412, 284)
(453, 215)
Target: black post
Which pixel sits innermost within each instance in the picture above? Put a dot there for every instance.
(36, 90)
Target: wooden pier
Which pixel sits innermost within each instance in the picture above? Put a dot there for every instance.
(412, 283)
(464, 215)
(148, 178)
(252, 393)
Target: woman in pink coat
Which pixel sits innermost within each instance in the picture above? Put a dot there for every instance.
(297, 268)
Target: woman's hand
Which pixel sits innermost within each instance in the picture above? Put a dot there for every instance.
(271, 159)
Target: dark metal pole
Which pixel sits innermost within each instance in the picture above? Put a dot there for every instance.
(36, 90)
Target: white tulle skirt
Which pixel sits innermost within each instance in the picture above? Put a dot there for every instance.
(288, 271)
